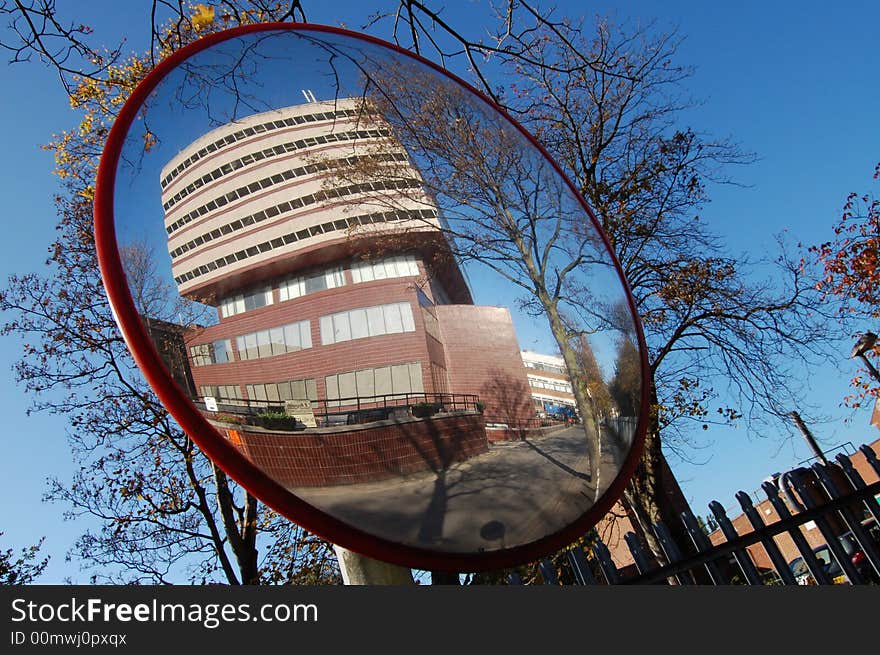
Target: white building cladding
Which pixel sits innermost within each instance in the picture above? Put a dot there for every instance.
(255, 191)
(548, 379)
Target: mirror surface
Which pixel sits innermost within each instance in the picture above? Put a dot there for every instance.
(379, 291)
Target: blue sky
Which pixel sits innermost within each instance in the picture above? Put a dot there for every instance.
(793, 82)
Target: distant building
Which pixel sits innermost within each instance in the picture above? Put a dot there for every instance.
(549, 383)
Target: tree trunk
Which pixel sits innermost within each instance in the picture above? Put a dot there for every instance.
(653, 495)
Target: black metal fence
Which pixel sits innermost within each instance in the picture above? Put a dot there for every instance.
(356, 410)
(832, 498)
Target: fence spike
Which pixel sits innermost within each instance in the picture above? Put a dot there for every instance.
(858, 482)
(548, 571)
(609, 570)
(800, 541)
(703, 545)
(742, 557)
(779, 563)
(578, 560)
(672, 552)
(871, 457)
(635, 547)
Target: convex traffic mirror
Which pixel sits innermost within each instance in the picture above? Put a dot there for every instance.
(371, 297)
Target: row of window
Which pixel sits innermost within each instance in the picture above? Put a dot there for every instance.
(266, 153)
(337, 225)
(245, 302)
(394, 380)
(279, 178)
(398, 379)
(228, 394)
(250, 131)
(296, 287)
(550, 368)
(276, 392)
(217, 352)
(275, 341)
(375, 321)
(553, 385)
(391, 267)
(301, 285)
(367, 322)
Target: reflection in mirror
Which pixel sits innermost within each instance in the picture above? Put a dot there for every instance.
(379, 291)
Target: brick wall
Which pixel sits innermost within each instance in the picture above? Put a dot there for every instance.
(482, 357)
(350, 455)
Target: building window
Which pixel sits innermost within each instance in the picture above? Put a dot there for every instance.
(246, 302)
(300, 286)
(274, 341)
(367, 322)
(226, 394)
(391, 267)
(553, 385)
(396, 380)
(550, 368)
(217, 352)
(278, 392)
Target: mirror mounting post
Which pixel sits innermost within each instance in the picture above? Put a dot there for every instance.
(359, 569)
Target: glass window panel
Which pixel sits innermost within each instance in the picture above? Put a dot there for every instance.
(332, 382)
(415, 377)
(276, 337)
(327, 330)
(392, 269)
(379, 271)
(365, 383)
(259, 392)
(393, 322)
(272, 393)
(336, 278)
(311, 389)
(315, 283)
(383, 381)
(264, 344)
(305, 334)
(347, 387)
(407, 317)
(242, 348)
(297, 389)
(284, 391)
(239, 304)
(366, 272)
(250, 342)
(251, 394)
(291, 337)
(359, 327)
(400, 378)
(375, 321)
(356, 274)
(222, 351)
(341, 327)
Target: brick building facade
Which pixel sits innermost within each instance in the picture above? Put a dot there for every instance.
(321, 292)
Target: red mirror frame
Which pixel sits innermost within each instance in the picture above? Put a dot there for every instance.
(224, 454)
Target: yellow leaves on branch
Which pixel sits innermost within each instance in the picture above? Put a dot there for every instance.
(203, 17)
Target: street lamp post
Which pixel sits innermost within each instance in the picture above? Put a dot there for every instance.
(866, 342)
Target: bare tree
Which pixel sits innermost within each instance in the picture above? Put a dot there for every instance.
(165, 512)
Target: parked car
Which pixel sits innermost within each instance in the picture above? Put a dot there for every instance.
(830, 565)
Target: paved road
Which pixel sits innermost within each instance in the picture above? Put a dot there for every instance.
(514, 494)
